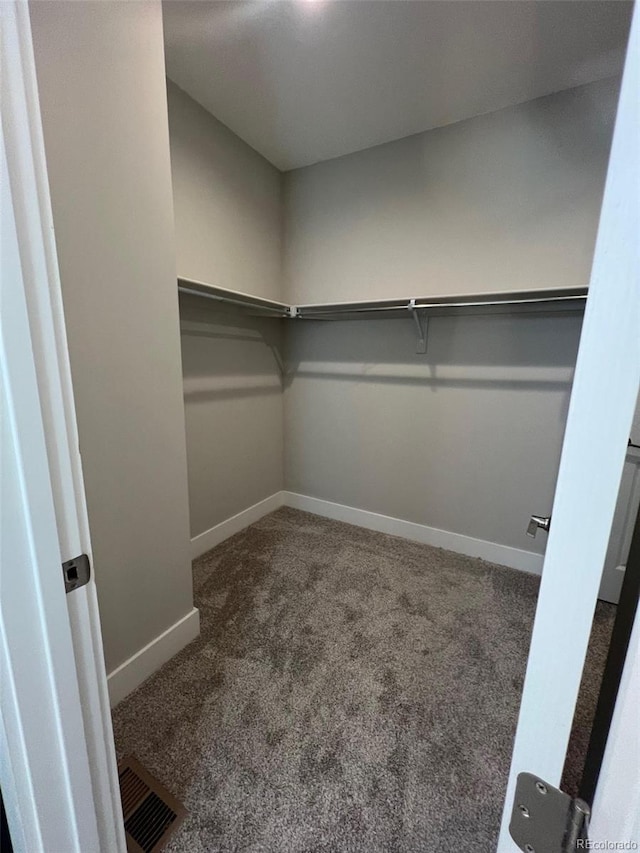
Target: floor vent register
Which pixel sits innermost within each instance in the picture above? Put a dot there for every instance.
(151, 813)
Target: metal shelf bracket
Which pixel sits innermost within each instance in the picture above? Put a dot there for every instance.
(422, 322)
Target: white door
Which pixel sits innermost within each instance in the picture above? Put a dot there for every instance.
(57, 771)
(605, 390)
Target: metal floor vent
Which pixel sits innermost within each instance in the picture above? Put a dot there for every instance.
(151, 813)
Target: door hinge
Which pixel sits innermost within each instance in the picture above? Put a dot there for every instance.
(545, 819)
(76, 572)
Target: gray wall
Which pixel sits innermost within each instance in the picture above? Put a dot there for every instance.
(102, 93)
(466, 438)
(507, 200)
(234, 410)
(227, 202)
(228, 218)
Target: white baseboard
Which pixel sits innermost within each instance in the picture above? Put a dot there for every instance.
(215, 535)
(493, 552)
(144, 663)
(130, 674)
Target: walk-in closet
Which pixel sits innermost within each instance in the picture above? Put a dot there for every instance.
(322, 388)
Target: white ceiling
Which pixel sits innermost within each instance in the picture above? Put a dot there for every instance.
(308, 80)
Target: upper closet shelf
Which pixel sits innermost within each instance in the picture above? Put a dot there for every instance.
(508, 301)
(253, 304)
(419, 308)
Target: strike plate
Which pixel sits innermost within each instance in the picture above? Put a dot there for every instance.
(76, 572)
(545, 819)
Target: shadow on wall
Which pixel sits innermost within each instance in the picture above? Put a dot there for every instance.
(228, 353)
(233, 403)
(516, 351)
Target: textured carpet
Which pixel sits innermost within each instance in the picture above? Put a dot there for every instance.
(350, 691)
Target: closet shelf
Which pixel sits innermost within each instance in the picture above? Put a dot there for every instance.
(253, 304)
(511, 301)
(419, 308)
(502, 302)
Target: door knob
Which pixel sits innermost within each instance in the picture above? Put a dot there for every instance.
(538, 522)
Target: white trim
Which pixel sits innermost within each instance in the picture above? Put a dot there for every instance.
(493, 552)
(603, 399)
(48, 779)
(215, 535)
(131, 674)
(88, 753)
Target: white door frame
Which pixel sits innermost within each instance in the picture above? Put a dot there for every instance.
(603, 397)
(80, 810)
(58, 771)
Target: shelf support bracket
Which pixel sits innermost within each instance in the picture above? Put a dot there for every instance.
(421, 321)
(278, 360)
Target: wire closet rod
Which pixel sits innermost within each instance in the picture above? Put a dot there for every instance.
(541, 300)
(548, 299)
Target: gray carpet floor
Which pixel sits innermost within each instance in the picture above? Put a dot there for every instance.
(350, 692)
